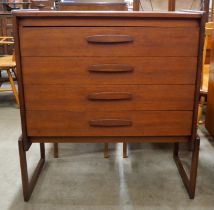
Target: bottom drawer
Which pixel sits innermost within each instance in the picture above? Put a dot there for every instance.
(123, 123)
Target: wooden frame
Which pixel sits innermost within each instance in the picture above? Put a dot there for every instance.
(25, 141)
(189, 182)
(29, 184)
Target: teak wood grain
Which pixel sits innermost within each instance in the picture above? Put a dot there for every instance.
(109, 97)
(162, 59)
(180, 16)
(76, 70)
(119, 21)
(72, 41)
(64, 123)
(111, 139)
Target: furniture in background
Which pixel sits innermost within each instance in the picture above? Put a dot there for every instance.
(93, 5)
(6, 30)
(177, 5)
(206, 69)
(42, 4)
(8, 64)
(7, 5)
(110, 81)
(209, 122)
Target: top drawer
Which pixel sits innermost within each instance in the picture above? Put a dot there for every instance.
(109, 41)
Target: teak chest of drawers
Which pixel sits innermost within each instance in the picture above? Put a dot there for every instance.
(108, 77)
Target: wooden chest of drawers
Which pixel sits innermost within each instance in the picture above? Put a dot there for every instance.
(124, 76)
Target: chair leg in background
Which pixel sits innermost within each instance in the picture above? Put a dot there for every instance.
(12, 83)
(56, 150)
(125, 150)
(106, 150)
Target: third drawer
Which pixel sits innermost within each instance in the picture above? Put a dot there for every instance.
(109, 97)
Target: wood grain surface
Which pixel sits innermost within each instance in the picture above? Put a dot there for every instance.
(144, 123)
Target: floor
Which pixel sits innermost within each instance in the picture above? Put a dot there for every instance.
(81, 179)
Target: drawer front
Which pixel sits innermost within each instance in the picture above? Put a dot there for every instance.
(109, 41)
(117, 70)
(109, 97)
(133, 123)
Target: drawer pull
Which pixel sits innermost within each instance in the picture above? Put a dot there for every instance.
(111, 39)
(110, 96)
(110, 123)
(111, 68)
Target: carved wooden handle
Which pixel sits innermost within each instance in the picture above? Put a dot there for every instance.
(110, 96)
(110, 123)
(111, 68)
(109, 39)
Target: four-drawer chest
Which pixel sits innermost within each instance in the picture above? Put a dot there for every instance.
(108, 77)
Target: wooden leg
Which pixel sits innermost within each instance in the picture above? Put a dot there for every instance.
(13, 86)
(14, 72)
(171, 5)
(27, 185)
(136, 5)
(189, 182)
(56, 150)
(106, 153)
(0, 78)
(125, 150)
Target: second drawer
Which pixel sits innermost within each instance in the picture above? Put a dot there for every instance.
(109, 97)
(111, 70)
